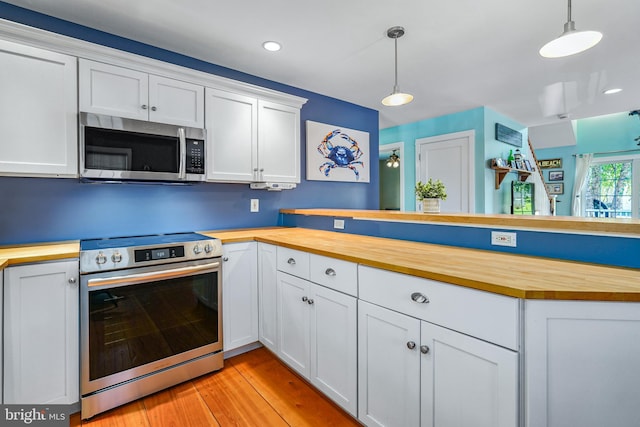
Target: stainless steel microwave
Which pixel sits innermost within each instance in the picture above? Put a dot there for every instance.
(115, 148)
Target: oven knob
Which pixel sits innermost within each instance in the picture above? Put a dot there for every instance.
(116, 257)
(101, 259)
(208, 248)
(197, 249)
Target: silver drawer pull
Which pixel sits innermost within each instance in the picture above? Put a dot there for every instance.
(424, 349)
(411, 345)
(304, 299)
(291, 261)
(330, 272)
(310, 302)
(419, 298)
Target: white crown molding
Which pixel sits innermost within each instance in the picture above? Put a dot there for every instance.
(35, 37)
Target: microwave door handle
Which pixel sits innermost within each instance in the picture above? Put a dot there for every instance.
(183, 154)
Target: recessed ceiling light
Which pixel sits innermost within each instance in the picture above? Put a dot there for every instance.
(612, 91)
(271, 46)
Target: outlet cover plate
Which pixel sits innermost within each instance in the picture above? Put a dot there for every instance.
(503, 238)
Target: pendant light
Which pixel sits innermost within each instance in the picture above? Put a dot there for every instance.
(570, 41)
(394, 160)
(396, 97)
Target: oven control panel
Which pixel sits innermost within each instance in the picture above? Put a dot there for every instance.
(102, 257)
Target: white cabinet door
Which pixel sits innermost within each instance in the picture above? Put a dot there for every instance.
(113, 91)
(267, 296)
(38, 112)
(388, 370)
(278, 142)
(239, 294)
(334, 345)
(232, 132)
(293, 322)
(121, 92)
(176, 102)
(41, 334)
(581, 363)
(466, 382)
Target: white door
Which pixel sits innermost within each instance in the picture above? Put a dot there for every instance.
(239, 294)
(293, 322)
(449, 158)
(388, 370)
(466, 382)
(334, 345)
(267, 280)
(278, 142)
(41, 334)
(232, 133)
(113, 91)
(176, 102)
(38, 112)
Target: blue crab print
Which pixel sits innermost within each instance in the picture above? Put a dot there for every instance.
(340, 156)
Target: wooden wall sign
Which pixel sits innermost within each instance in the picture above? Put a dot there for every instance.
(550, 164)
(508, 135)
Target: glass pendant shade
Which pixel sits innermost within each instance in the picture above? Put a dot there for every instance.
(394, 159)
(397, 98)
(570, 41)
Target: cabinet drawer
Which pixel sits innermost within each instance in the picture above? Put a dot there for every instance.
(293, 262)
(334, 273)
(490, 317)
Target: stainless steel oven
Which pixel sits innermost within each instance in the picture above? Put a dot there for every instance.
(151, 315)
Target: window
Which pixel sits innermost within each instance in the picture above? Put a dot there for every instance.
(611, 190)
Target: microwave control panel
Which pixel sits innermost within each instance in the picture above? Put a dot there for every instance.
(195, 156)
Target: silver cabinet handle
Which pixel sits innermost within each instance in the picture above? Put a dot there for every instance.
(225, 259)
(424, 349)
(154, 108)
(411, 345)
(72, 280)
(291, 261)
(330, 272)
(144, 106)
(419, 298)
(310, 302)
(304, 299)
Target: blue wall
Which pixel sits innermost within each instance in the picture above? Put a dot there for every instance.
(611, 135)
(482, 120)
(39, 209)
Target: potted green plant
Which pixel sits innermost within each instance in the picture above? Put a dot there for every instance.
(430, 194)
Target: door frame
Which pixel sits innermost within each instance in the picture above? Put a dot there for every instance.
(470, 136)
(388, 148)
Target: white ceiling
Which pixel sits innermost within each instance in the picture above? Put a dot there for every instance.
(455, 55)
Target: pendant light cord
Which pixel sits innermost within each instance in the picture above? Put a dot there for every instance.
(395, 83)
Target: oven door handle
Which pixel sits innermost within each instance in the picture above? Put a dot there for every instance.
(131, 279)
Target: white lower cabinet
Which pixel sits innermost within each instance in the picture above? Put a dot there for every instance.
(414, 373)
(41, 333)
(239, 294)
(581, 363)
(317, 336)
(268, 327)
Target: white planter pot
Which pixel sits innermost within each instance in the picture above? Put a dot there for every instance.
(430, 205)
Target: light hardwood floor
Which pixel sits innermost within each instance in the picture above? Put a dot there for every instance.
(253, 389)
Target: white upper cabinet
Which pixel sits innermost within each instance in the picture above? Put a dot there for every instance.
(251, 140)
(38, 112)
(122, 92)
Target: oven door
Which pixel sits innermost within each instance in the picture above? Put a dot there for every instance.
(138, 321)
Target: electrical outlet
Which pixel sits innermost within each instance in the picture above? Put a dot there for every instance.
(338, 223)
(255, 205)
(502, 238)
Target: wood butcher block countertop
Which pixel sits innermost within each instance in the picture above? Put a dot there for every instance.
(512, 275)
(38, 252)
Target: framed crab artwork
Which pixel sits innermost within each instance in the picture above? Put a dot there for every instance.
(336, 153)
